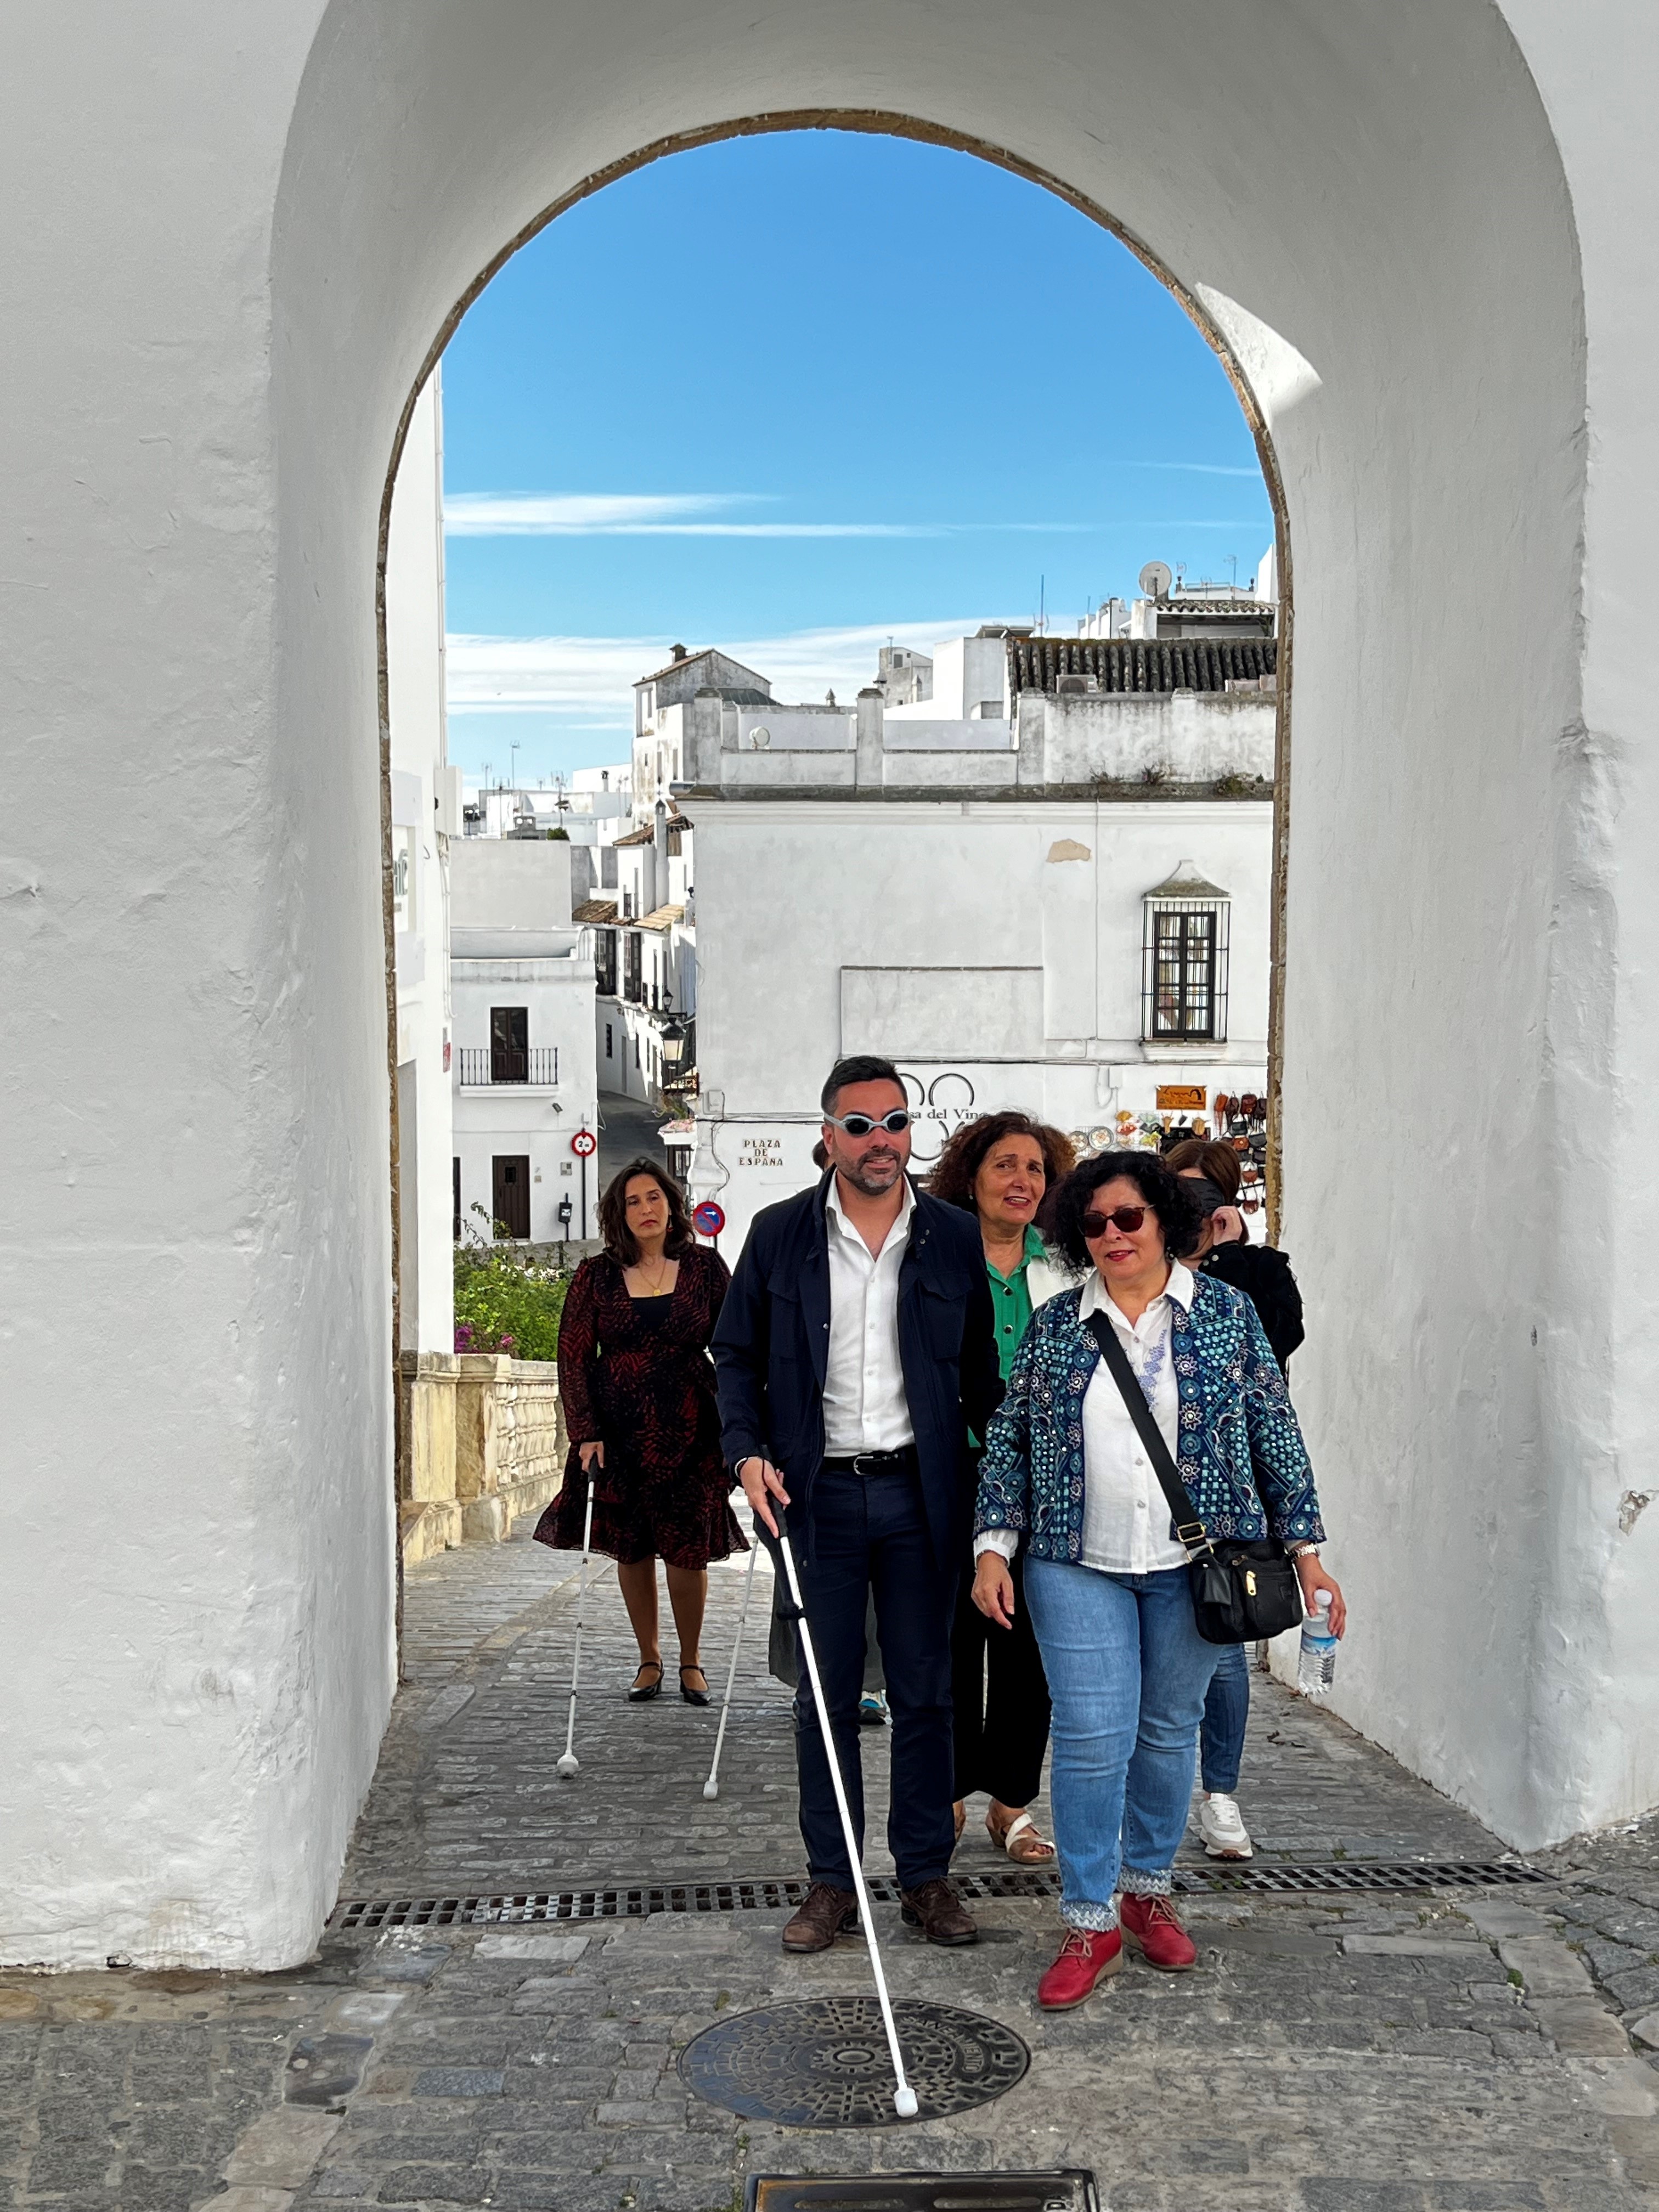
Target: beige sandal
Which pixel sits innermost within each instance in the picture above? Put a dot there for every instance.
(1021, 1840)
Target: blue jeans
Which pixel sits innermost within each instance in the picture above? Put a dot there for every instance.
(1226, 1709)
(1127, 1671)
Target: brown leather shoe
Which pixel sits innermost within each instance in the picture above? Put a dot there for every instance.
(827, 1913)
(940, 1913)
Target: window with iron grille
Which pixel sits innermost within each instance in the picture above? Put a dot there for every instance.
(1184, 962)
(632, 974)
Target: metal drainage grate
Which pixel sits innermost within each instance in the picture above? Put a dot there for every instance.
(825, 2064)
(1071, 2190)
(1350, 1874)
(1332, 1877)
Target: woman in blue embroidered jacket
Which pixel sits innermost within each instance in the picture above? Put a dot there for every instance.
(1105, 1574)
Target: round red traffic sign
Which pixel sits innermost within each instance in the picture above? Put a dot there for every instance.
(584, 1144)
(708, 1220)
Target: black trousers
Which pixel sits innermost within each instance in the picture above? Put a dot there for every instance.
(1001, 1696)
(870, 1533)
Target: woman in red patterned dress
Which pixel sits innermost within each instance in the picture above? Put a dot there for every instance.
(638, 1387)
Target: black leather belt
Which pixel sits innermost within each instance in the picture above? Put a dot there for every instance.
(881, 1462)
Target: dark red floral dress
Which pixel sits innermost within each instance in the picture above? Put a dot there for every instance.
(636, 1374)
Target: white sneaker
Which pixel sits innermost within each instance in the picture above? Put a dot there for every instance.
(1222, 1826)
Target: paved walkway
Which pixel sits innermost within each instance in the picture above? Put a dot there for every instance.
(627, 1131)
(1446, 2051)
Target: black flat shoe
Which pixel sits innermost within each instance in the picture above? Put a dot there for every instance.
(693, 1697)
(643, 1691)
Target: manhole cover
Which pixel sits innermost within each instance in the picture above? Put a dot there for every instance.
(824, 2064)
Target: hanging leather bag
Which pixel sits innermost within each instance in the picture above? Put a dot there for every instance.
(1242, 1591)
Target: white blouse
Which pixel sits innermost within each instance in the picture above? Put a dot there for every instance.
(1125, 1515)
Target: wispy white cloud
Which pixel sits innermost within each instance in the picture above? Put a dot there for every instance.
(559, 514)
(685, 514)
(635, 515)
(1193, 468)
(596, 675)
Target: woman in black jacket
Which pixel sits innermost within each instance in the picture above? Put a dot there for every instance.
(1263, 1273)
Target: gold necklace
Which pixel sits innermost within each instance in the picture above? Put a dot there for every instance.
(653, 1288)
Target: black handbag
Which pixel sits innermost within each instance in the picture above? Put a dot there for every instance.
(1241, 1592)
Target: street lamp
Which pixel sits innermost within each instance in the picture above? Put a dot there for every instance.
(672, 1045)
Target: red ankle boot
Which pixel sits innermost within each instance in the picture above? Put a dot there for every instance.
(1088, 1955)
(1150, 1923)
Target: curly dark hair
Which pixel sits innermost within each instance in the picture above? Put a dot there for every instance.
(1177, 1212)
(964, 1152)
(619, 1240)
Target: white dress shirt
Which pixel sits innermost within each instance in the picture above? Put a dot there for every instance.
(864, 1403)
(1125, 1515)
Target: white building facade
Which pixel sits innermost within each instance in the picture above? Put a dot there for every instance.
(641, 937)
(1063, 907)
(522, 1062)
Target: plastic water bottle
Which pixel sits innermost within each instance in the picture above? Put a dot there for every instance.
(1316, 1668)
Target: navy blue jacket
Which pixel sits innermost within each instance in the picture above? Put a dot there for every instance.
(771, 1348)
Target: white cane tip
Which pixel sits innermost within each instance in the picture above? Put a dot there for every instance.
(711, 1789)
(569, 1764)
(904, 2102)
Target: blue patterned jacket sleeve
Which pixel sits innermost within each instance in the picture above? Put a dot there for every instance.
(1284, 1477)
(1004, 1470)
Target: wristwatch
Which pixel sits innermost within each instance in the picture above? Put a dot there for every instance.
(1306, 1551)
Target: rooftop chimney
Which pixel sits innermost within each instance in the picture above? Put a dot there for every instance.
(679, 653)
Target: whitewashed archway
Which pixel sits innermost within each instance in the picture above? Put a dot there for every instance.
(1380, 218)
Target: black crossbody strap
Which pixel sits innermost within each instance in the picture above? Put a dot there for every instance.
(1188, 1528)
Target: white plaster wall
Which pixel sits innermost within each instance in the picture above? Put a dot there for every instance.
(510, 882)
(944, 935)
(197, 1629)
(1191, 737)
(913, 731)
(967, 672)
(222, 294)
(415, 707)
(793, 729)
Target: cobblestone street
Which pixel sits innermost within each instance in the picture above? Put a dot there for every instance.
(1486, 2049)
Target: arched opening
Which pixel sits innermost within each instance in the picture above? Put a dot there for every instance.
(1376, 217)
(1292, 350)
(1268, 718)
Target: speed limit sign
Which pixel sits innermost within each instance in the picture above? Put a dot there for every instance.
(584, 1144)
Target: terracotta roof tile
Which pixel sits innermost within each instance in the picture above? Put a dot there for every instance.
(1141, 663)
(594, 910)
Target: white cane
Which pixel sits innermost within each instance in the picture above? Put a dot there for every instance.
(712, 1787)
(570, 1764)
(904, 2097)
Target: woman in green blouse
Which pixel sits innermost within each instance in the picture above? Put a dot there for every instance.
(998, 1168)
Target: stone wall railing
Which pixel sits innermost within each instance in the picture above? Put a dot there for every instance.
(482, 1440)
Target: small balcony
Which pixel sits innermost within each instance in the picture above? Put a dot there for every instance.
(483, 1068)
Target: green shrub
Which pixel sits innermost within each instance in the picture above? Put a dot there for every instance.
(504, 1301)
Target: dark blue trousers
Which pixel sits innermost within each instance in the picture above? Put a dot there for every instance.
(870, 1533)
(1226, 1713)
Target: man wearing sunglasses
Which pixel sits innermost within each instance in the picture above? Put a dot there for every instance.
(856, 1350)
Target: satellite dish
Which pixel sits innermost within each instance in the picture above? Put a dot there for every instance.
(760, 738)
(1155, 580)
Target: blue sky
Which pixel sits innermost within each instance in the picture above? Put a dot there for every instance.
(791, 396)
